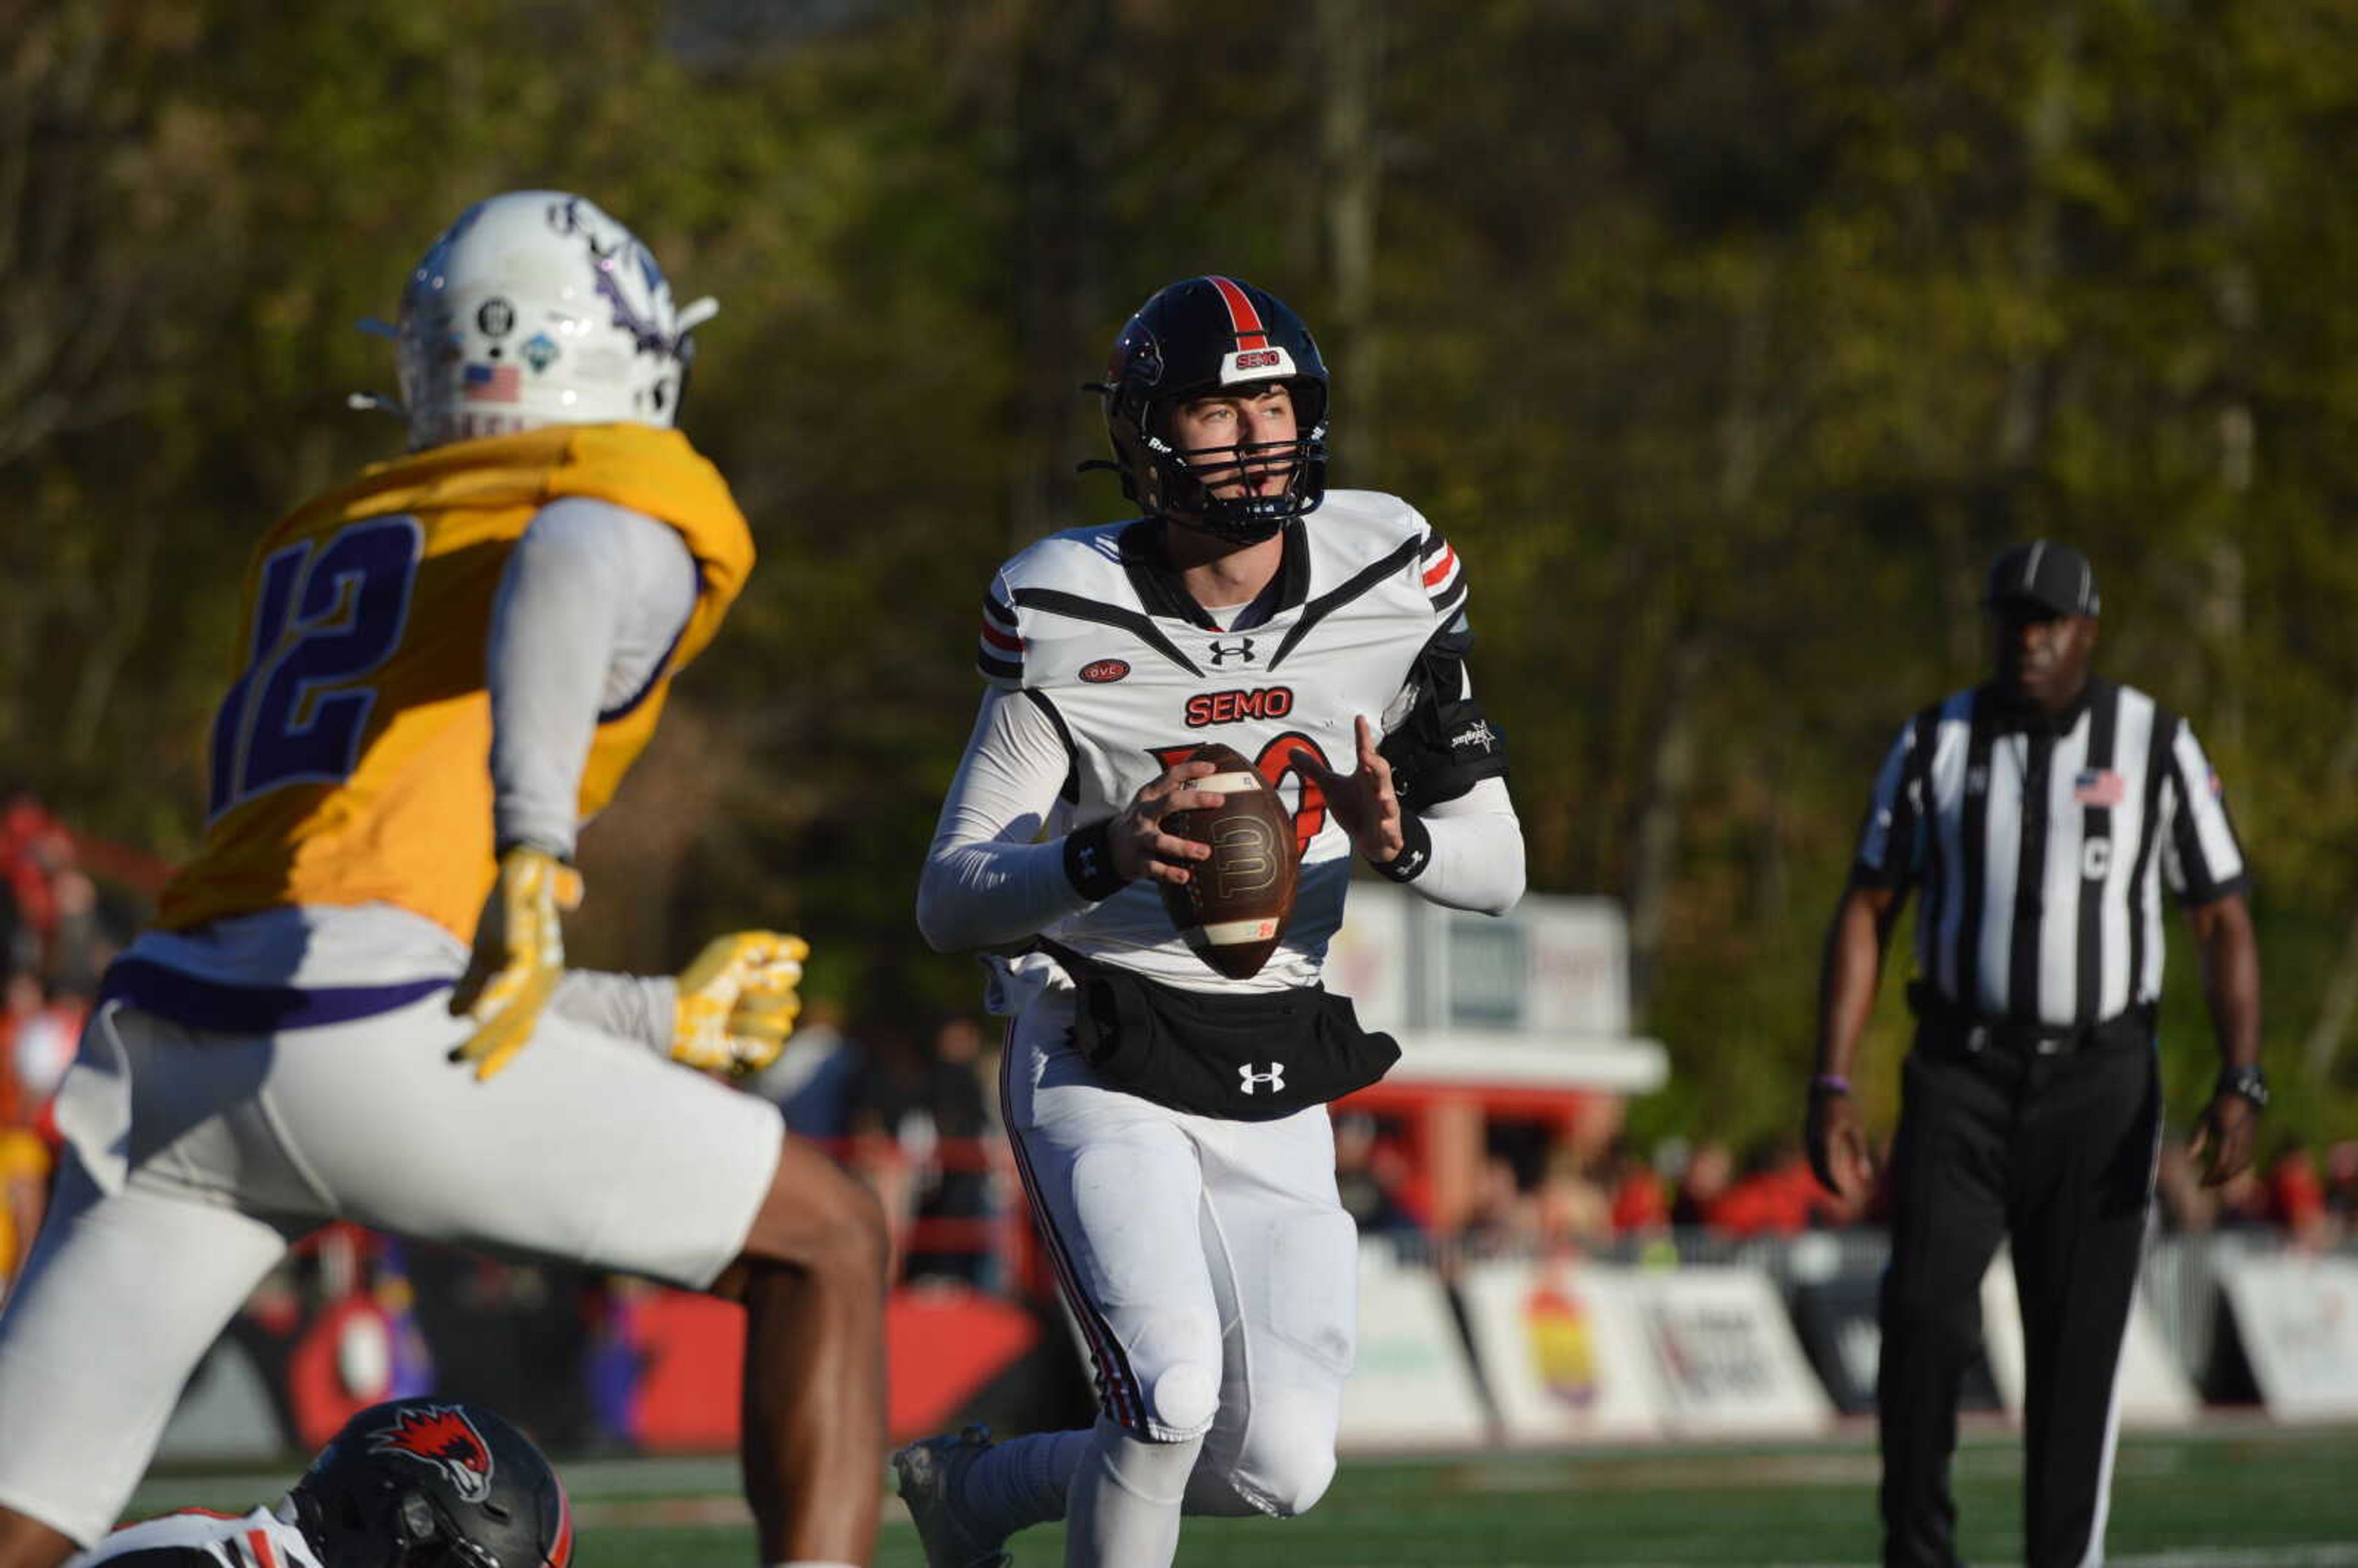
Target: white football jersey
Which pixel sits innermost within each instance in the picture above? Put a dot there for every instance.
(258, 1539)
(1095, 629)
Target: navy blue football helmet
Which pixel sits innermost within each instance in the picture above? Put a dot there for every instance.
(1204, 336)
(433, 1484)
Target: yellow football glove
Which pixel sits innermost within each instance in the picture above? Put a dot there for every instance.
(737, 1001)
(519, 956)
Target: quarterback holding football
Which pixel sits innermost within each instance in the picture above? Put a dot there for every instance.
(1194, 717)
(353, 1002)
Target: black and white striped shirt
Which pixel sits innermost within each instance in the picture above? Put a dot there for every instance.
(2041, 849)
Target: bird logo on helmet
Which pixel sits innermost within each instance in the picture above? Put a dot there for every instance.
(442, 1437)
(433, 1484)
(537, 307)
(1201, 337)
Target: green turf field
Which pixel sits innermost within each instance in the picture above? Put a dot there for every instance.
(2269, 1498)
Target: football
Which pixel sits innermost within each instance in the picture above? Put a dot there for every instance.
(1233, 909)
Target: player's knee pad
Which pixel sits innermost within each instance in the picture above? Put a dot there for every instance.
(1175, 1365)
(1287, 1460)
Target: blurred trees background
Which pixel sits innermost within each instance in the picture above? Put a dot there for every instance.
(1728, 342)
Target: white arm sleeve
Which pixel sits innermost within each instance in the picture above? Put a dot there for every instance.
(986, 882)
(1478, 851)
(592, 599)
(628, 1007)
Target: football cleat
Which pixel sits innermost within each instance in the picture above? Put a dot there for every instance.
(931, 1471)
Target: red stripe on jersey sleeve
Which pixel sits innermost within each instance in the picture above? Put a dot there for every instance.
(1440, 568)
(1005, 642)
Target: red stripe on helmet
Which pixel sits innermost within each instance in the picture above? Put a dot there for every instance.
(1251, 332)
(560, 1551)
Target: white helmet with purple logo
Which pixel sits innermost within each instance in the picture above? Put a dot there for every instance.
(535, 307)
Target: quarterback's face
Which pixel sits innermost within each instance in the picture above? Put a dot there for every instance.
(1209, 432)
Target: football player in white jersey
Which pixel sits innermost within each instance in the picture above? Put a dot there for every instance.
(1169, 1122)
(413, 1484)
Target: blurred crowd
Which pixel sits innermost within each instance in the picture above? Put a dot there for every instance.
(1540, 1191)
(908, 1100)
(56, 938)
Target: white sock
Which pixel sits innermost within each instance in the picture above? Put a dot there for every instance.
(1023, 1481)
(1124, 1511)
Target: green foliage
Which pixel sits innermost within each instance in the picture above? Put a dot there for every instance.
(1726, 344)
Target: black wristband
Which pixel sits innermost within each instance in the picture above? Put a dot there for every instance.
(1088, 861)
(2246, 1082)
(1416, 852)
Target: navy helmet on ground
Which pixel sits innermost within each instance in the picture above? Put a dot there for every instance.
(429, 1483)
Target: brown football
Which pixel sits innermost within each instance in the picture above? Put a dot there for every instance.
(1233, 909)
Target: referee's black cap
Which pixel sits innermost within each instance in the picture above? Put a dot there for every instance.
(2043, 575)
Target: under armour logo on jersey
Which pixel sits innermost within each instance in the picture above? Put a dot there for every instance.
(1273, 1080)
(1242, 650)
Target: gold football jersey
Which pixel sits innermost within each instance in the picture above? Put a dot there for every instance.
(351, 761)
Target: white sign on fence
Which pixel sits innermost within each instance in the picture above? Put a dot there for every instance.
(2298, 1318)
(1413, 1387)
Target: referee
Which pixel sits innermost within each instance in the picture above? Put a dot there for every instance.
(2040, 813)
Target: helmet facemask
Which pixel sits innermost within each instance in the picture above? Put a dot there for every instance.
(1184, 481)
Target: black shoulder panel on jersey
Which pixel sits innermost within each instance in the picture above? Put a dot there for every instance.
(165, 1557)
(1071, 789)
(1334, 598)
(1446, 745)
(1145, 556)
(1056, 602)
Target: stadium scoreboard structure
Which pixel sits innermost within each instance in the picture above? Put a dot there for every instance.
(1537, 999)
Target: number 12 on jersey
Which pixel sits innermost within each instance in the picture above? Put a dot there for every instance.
(326, 613)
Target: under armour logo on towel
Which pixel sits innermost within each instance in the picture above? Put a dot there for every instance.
(1273, 1080)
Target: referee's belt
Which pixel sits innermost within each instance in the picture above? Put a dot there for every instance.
(1943, 1022)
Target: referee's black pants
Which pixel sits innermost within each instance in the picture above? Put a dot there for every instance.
(2055, 1153)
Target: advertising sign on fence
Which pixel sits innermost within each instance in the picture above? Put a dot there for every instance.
(2298, 1318)
(1726, 1355)
(1563, 1350)
(1413, 1387)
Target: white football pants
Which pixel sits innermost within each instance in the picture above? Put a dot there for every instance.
(1211, 1266)
(196, 1157)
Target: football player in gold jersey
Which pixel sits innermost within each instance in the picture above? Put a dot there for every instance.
(353, 1002)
